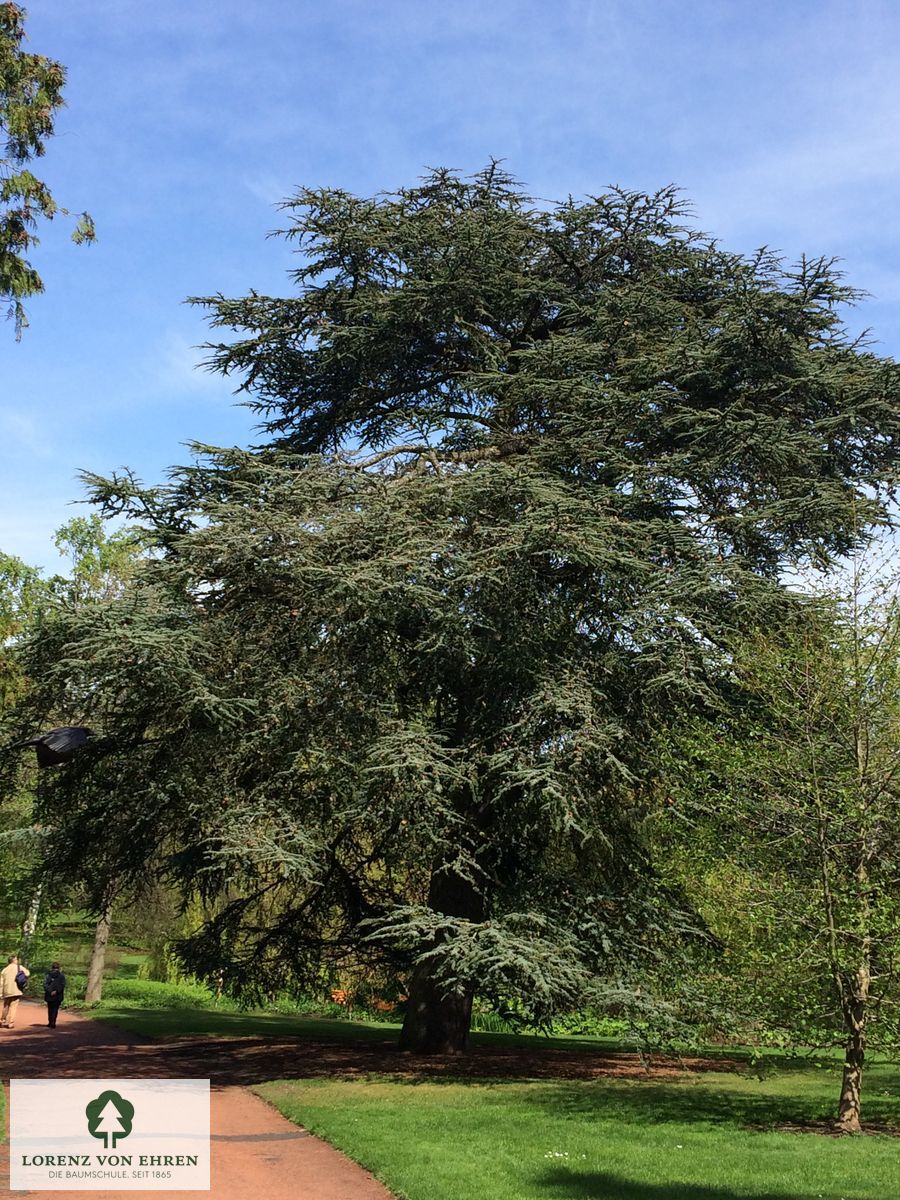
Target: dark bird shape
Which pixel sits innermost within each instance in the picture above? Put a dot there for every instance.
(57, 745)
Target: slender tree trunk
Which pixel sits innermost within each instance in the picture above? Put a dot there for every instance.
(855, 1013)
(29, 925)
(855, 990)
(437, 1021)
(94, 990)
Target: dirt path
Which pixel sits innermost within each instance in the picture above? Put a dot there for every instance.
(255, 1151)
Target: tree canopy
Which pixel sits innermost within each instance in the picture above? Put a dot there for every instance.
(31, 93)
(391, 684)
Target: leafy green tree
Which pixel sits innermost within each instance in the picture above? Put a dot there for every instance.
(798, 789)
(24, 596)
(100, 566)
(392, 685)
(31, 93)
(23, 593)
(101, 563)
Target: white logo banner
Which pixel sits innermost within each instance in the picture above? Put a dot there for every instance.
(114, 1134)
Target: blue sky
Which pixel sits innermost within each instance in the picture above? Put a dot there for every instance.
(187, 122)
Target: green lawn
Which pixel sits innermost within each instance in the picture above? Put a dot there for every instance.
(162, 1022)
(690, 1139)
(69, 938)
(605, 1140)
(167, 1010)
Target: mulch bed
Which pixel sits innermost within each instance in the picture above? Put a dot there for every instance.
(828, 1129)
(67, 1052)
(256, 1059)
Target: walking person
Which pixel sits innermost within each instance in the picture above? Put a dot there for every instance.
(54, 987)
(13, 977)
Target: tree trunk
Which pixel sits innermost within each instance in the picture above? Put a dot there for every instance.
(94, 990)
(851, 1082)
(29, 925)
(437, 1021)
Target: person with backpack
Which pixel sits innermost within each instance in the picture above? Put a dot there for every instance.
(13, 982)
(54, 987)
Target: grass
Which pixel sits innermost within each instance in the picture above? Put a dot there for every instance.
(602, 1140)
(163, 1023)
(69, 938)
(706, 1137)
(173, 1010)
(164, 1010)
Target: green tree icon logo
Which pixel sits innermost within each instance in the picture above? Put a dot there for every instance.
(109, 1117)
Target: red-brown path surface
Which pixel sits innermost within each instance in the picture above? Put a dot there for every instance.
(255, 1151)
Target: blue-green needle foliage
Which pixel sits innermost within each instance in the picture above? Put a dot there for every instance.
(388, 688)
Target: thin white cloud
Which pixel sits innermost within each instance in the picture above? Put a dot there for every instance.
(268, 188)
(180, 367)
(25, 432)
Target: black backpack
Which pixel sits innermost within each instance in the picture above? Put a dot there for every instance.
(21, 981)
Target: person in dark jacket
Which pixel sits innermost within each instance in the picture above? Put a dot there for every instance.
(54, 987)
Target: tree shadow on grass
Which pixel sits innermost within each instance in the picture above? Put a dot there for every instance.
(655, 1103)
(126, 970)
(562, 1184)
(661, 1103)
